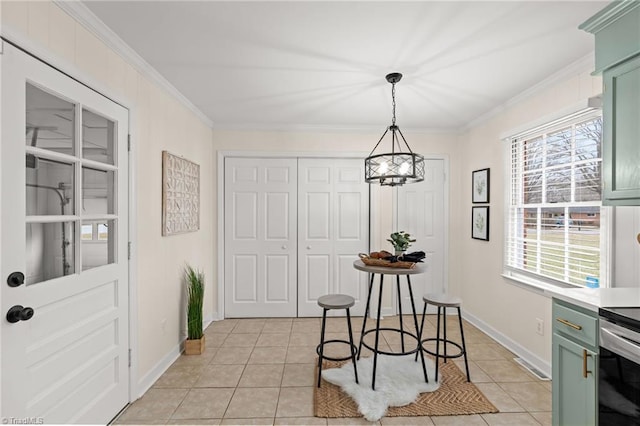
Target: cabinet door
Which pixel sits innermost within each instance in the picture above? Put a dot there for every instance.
(575, 400)
(621, 156)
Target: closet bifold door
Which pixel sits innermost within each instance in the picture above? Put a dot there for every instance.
(260, 237)
(333, 227)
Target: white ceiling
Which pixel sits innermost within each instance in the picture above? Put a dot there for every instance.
(296, 65)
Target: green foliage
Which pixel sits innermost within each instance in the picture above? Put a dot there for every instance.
(401, 240)
(195, 298)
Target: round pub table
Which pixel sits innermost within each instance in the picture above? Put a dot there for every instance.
(420, 268)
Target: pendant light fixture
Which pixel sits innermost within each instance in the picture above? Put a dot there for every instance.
(396, 167)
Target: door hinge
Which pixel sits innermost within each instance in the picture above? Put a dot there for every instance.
(129, 250)
(129, 143)
(129, 357)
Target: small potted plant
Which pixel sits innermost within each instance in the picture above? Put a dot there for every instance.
(401, 241)
(194, 345)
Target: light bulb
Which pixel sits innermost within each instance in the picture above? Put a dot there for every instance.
(384, 168)
(404, 168)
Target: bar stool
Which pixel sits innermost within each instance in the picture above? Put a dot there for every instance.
(336, 301)
(444, 301)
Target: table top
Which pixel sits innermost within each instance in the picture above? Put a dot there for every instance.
(420, 268)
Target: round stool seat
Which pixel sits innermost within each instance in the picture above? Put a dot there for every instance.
(442, 299)
(336, 301)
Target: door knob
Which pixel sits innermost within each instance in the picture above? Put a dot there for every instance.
(308, 247)
(15, 279)
(284, 247)
(19, 313)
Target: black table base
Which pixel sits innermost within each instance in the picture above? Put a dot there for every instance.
(414, 336)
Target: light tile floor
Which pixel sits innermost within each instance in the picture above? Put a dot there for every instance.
(261, 372)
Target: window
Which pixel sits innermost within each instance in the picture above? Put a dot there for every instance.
(554, 209)
(95, 231)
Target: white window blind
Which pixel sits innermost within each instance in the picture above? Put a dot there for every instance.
(554, 209)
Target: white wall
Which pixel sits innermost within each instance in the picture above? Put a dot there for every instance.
(158, 122)
(509, 310)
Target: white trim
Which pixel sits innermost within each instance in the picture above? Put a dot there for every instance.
(2, 142)
(84, 16)
(533, 359)
(319, 128)
(584, 64)
(163, 365)
(158, 370)
(259, 154)
(134, 388)
(220, 214)
(585, 106)
(43, 54)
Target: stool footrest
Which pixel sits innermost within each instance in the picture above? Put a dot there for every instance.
(354, 350)
(443, 342)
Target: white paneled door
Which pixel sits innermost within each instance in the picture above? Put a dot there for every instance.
(421, 209)
(260, 237)
(293, 228)
(333, 227)
(64, 219)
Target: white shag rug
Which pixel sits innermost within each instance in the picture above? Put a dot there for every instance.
(399, 381)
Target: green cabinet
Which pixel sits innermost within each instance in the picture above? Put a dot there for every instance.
(574, 365)
(621, 124)
(617, 47)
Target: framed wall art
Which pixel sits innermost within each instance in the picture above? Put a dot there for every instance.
(480, 186)
(480, 223)
(180, 195)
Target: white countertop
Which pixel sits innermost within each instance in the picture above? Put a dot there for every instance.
(594, 298)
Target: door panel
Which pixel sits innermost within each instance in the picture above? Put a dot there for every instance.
(260, 237)
(333, 227)
(421, 214)
(69, 362)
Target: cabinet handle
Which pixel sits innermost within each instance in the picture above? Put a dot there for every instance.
(570, 324)
(585, 355)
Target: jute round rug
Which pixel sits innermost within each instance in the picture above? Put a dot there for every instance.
(455, 396)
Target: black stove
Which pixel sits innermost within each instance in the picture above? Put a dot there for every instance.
(625, 317)
(619, 367)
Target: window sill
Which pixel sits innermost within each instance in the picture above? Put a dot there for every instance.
(589, 298)
(537, 286)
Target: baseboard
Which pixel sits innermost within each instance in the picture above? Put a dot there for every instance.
(158, 370)
(510, 344)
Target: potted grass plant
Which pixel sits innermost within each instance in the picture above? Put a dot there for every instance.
(194, 345)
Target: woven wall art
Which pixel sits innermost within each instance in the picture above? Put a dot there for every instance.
(180, 195)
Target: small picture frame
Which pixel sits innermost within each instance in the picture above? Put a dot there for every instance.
(480, 223)
(480, 186)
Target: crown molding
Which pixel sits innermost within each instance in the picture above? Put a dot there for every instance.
(302, 128)
(83, 15)
(608, 15)
(586, 63)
